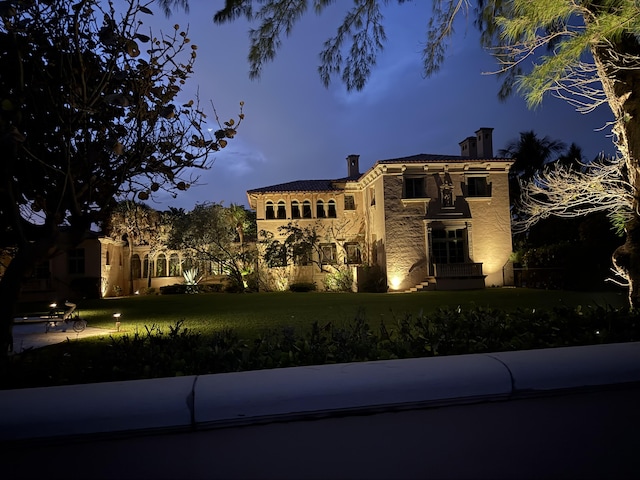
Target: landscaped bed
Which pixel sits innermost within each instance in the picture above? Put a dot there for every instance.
(200, 334)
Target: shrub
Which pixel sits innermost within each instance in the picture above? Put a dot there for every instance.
(371, 279)
(447, 331)
(175, 289)
(339, 281)
(303, 287)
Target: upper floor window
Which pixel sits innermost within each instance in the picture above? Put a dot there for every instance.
(269, 213)
(349, 202)
(108, 258)
(282, 210)
(76, 261)
(331, 209)
(306, 209)
(477, 187)
(414, 187)
(320, 213)
(295, 209)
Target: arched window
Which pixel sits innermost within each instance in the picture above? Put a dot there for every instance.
(161, 265)
(145, 266)
(135, 266)
(295, 209)
(282, 210)
(269, 213)
(174, 265)
(320, 213)
(331, 209)
(306, 209)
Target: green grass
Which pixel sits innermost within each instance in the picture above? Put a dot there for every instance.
(251, 314)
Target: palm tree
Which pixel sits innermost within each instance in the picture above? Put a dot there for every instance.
(531, 153)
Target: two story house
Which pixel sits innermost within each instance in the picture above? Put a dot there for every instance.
(428, 221)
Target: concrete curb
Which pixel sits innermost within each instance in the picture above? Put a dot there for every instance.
(247, 397)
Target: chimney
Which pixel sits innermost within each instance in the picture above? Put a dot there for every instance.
(485, 142)
(353, 170)
(468, 147)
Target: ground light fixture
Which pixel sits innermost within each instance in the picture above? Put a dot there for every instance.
(116, 317)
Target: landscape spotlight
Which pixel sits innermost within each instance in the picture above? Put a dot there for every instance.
(116, 317)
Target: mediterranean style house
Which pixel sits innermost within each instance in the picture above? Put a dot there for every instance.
(427, 221)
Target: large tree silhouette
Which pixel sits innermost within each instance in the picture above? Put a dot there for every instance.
(88, 113)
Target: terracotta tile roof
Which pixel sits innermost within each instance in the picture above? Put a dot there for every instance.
(330, 185)
(299, 186)
(428, 157)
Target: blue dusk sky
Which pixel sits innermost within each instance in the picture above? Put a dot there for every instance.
(296, 129)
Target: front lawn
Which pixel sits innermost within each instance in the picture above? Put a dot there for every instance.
(251, 314)
(202, 334)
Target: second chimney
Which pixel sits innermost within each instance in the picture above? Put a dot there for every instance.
(353, 169)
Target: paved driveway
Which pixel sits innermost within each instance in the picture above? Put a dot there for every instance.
(27, 335)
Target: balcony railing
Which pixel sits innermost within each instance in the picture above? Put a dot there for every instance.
(457, 270)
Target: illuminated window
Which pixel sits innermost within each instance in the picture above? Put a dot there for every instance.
(295, 209)
(282, 210)
(269, 213)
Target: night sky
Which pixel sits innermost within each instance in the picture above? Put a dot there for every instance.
(296, 129)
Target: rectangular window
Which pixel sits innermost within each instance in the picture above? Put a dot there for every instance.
(349, 202)
(414, 187)
(76, 261)
(353, 252)
(328, 254)
(448, 246)
(477, 187)
(303, 257)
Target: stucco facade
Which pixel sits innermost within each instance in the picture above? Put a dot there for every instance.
(428, 221)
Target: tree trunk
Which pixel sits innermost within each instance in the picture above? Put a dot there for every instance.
(622, 89)
(626, 259)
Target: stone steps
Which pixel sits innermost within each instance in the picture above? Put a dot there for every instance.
(422, 286)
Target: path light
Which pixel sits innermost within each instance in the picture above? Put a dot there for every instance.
(116, 317)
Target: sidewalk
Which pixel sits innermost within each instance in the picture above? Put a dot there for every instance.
(28, 335)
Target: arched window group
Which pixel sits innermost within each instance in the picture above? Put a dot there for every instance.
(163, 266)
(305, 210)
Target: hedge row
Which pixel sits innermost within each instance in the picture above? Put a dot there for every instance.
(180, 351)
